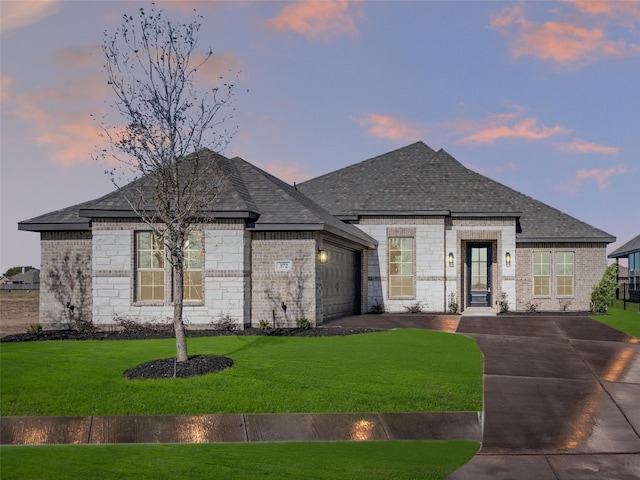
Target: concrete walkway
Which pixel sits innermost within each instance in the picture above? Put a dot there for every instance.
(561, 399)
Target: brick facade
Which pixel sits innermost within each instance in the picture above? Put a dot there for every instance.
(54, 295)
(283, 270)
(590, 262)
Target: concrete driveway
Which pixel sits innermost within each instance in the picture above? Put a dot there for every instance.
(561, 395)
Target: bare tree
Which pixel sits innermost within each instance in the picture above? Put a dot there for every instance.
(171, 128)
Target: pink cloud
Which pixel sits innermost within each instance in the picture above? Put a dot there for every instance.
(607, 7)
(317, 19)
(392, 128)
(287, 171)
(497, 126)
(575, 44)
(221, 65)
(601, 177)
(21, 14)
(582, 146)
(5, 85)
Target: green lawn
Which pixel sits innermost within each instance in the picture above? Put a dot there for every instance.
(627, 321)
(394, 371)
(282, 461)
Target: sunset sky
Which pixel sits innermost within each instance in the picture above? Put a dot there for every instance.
(543, 97)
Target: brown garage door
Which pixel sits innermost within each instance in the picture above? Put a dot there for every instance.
(341, 282)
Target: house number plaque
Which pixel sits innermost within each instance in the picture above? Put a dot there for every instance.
(283, 266)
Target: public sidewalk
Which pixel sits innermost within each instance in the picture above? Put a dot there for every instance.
(560, 403)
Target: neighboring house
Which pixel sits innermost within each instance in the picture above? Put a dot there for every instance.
(29, 280)
(630, 251)
(413, 225)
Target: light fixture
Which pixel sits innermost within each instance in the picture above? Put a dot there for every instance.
(323, 256)
(451, 259)
(507, 259)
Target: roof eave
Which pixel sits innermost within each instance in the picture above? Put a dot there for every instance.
(487, 214)
(401, 213)
(622, 254)
(311, 227)
(94, 213)
(54, 227)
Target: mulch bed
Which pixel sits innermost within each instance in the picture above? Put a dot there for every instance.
(170, 368)
(151, 334)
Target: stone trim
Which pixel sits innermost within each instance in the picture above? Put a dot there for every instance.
(302, 235)
(431, 278)
(404, 232)
(112, 273)
(227, 273)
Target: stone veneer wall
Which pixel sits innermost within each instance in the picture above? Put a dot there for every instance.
(297, 288)
(54, 246)
(226, 275)
(435, 237)
(429, 235)
(590, 262)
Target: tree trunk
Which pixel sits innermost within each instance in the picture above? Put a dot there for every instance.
(178, 325)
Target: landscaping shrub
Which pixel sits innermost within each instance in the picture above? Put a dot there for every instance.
(603, 294)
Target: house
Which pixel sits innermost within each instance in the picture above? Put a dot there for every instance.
(413, 226)
(630, 251)
(27, 280)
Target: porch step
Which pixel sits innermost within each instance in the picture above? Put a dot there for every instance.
(479, 312)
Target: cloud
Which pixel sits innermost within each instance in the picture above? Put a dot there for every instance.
(220, 65)
(496, 126)
(317, 19)
(21, 14)
(601, 177)
(607, 7)
(5, 85)
(582, 146)
(575, 43)
(287, 171)
(391, 128)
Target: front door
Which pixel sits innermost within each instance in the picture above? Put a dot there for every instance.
(479, 274)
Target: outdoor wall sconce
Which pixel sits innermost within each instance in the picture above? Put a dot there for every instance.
(507, 259)
(323, 256)
(451, 259)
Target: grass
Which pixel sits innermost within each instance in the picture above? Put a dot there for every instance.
(394, 371)
(282, 461)
(627, 321)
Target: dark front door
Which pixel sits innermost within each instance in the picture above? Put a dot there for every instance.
(479, 274)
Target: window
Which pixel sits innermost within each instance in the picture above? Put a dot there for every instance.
(193, 267)
(541, 273)
(401, 266)
(150, 268)
(564, 273)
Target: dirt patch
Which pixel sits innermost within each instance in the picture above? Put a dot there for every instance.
(18, 310)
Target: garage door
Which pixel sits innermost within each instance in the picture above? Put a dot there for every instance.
(341, 282)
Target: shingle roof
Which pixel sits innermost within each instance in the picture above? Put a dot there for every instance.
(30, 276)
(248, 192)
(417, 180)
(65, 219)
(631, 246)
(283, 207)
